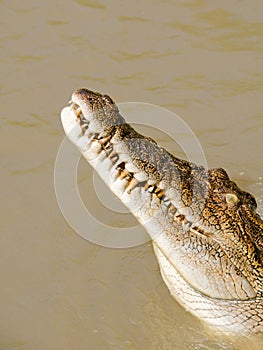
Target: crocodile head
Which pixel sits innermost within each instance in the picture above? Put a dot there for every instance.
(207, 234)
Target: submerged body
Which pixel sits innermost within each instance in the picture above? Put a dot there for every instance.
(206, 233)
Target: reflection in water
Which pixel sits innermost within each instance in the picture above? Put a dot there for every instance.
(201, 60)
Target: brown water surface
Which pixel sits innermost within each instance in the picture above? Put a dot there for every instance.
(202, 60)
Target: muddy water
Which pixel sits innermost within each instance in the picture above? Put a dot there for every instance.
(200, 59)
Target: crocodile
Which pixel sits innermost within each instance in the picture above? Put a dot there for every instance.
(206, 232)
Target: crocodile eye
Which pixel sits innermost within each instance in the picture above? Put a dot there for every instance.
(107, 99)
(231, 199)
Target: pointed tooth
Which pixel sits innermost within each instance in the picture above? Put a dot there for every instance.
(78, 112)
(74, 105)
(172, 209)
(104, 140)
(146, 186)
(159, 194)
(84, 127)
(133, 183)
(124, 173)
(114, 158)
(151, 188)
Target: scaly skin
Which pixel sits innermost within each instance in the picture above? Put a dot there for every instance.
(206, 233)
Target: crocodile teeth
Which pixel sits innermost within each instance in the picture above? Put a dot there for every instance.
(152, 189)
(146, 186)
(108, 149)
(73, 105)
(78, 112)
(124, 173)
(104, 140)
(159, 194)
(114, 157)
(172, 208)
(133, 183)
